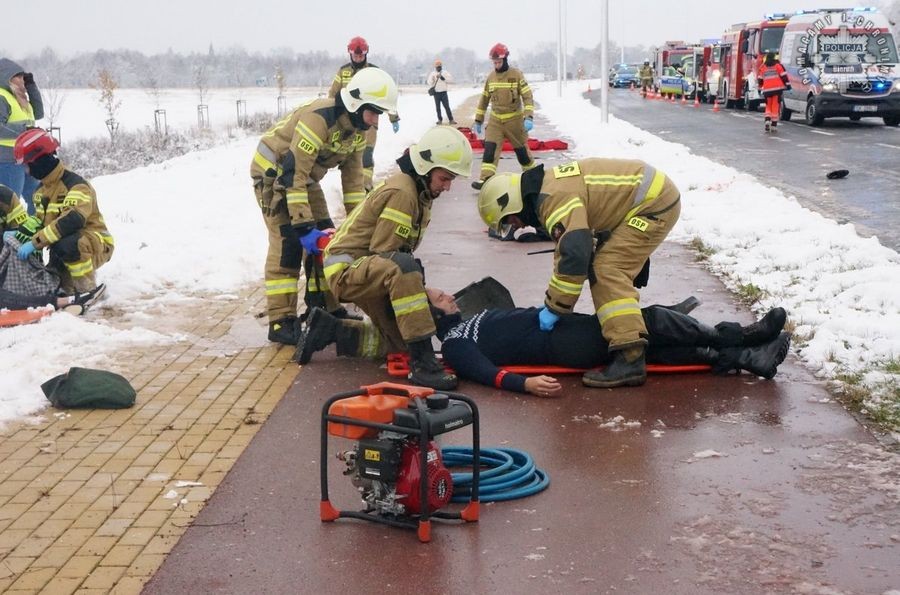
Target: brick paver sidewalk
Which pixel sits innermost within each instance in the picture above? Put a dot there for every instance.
(92, 501)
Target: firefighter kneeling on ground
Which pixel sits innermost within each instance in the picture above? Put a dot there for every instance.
(646, 76)
(606, 216)
(773, 80)
(370, 260)
(67, 218)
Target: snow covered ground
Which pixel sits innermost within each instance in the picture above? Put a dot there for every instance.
(190, 226)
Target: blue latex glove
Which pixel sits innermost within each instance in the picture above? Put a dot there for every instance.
(309, 241)
(477, 127)
(26, 250)
(547, 318)
(7, 235)
(396, 126)
(529, 124)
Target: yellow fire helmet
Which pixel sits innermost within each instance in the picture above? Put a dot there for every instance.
(501, 195)
(442, 146)
(371, 86)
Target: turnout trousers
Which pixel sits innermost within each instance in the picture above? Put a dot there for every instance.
(390, 289)
(619, 261)
(512, 129)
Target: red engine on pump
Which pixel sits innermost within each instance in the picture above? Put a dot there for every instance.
(439, 485)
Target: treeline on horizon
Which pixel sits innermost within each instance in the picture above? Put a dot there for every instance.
(235, 67)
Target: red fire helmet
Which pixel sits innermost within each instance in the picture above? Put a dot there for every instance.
(358, 45)
(498, 51)
(34, 143)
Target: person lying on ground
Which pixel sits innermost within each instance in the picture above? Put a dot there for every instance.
(478, 348)
(76, 304)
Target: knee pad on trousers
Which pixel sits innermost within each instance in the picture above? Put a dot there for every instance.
(290, 247)
(523, 156)
(405, 261)
(368, 157)
(66, 249)
(489, 150)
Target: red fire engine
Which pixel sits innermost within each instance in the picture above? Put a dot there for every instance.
(742, 49)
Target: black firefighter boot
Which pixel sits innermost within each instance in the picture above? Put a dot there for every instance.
(426, 370)
(320, 332)
(762, 360)
(628, 368)
(285, 330)
(732, 334)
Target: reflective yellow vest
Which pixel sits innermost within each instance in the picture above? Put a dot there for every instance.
(16, 115)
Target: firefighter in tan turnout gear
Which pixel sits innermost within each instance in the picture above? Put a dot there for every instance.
(67, 218)
(606, 216)
(358, 49)
(370, 260)
(512, 114)
(290, 160)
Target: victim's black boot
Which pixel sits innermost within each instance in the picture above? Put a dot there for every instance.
(320, 332)
(761, 360)
(426, 370)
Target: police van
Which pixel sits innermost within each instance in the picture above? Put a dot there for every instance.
(841, 63)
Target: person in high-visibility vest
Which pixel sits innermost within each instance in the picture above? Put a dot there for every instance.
(20, 106)
(773, 80)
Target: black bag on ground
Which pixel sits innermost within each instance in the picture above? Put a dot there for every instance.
(89, 389)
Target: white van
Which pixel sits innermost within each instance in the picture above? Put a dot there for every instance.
(841, 62)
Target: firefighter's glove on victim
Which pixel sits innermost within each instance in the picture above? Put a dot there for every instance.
(310, 240)
(477, 127)
(396, 126)
(547, 319)
(529, 124)
(26, 250)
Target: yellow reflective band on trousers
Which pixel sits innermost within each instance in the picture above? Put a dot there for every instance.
(281, 286)
(80, 269)
(565, 287)
(316, 285)
(623, 307)
(336, 263)
(505, 117)
(396, 216)
(489, 167)
(653, 191)
(371, 342)
(562, 211)
(408, 305)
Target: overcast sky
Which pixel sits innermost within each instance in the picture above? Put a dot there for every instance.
(395, 27)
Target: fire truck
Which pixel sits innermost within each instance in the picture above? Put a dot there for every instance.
(742, 49)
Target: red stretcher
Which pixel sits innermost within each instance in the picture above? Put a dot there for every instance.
(533, 143)
(398, 367)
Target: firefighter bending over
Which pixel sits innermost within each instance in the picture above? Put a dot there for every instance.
(606, 216)
(290, 160)
(370, 260)
(512, 114)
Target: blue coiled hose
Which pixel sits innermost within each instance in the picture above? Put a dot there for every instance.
(512, 474)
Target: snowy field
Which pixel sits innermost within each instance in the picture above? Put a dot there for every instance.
(174, 240)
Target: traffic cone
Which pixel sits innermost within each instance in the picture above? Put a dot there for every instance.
(683, 99)
(715, 104)
(589, 89)
(696, 99)
(671, 98)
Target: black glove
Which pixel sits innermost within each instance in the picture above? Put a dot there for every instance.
(28, 77)
(323, 224)
(643, 277)
(441, 77)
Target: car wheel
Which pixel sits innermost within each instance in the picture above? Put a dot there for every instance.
(812, 113)
(891, 120)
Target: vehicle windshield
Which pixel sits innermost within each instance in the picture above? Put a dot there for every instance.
(626, 71)
(771, 40)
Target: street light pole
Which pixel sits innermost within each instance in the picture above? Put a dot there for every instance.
(604, 61)
(559, 49)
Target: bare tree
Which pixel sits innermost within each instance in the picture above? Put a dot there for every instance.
(53, 100)
(201, 83)
(107, 85)
(151, 85)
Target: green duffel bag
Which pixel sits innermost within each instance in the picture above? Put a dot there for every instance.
(86, 388)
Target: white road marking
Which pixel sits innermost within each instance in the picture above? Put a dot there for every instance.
(822, 132)
(888, 146)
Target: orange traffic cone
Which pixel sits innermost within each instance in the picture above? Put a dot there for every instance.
(696, 99)
(589, 89)
(715, 104)
(671, 98)
(683, 99)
